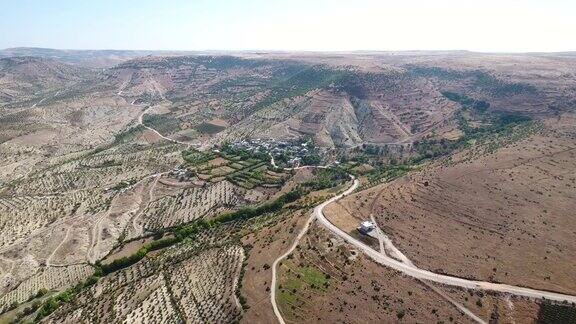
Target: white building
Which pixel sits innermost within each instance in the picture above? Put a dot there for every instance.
(366, 227)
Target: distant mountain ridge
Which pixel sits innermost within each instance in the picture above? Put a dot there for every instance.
(108, 58)
(89, 58)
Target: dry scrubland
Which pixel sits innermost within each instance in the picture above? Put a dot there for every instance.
(327, 281)
(94, 163)
(500, 211)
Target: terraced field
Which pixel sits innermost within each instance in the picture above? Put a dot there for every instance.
(123, 197)
(48, 279)
(190, 204)
(197, 289)
(243, 171)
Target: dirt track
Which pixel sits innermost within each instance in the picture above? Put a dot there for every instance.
(418, 273)
(405, 267)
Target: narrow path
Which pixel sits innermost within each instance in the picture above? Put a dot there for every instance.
(398, 255)
(140, 122)
(96, 230)
(237, 279)
(456, 304)
(135, 226)
(49, 258)
(95, 241)
(124, 84)
(293, 247)
(275, 266)
(39, 102)
(407, 267)
(389, 246)
(379, 235)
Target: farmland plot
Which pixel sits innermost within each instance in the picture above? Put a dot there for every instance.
(189, 204)
(244, 171)
(103, 170)
(203, 287)
(25, 215)
(199, 287)
(48, 278)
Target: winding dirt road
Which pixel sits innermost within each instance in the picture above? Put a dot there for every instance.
(418, 273)
(406, 268)
(296, 241)
(140, 122)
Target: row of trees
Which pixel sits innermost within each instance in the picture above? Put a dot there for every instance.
(182, 232)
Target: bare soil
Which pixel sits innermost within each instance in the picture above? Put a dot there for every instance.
(327, 281)
(503, 215)
(266, 245)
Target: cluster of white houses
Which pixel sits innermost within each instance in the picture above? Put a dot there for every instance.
(295, 151)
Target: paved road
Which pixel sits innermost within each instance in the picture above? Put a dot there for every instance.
(418, 273)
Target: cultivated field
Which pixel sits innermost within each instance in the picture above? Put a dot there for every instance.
(162, 188)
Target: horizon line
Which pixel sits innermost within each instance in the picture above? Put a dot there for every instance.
(289, 51)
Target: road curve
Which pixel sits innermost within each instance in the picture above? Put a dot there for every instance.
(418, 273)
(140, 122)
(275, 265)
(296, 241)
(406, 268)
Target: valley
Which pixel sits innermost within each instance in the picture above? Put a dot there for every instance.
(189, 187)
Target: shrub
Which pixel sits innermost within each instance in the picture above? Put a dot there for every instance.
(41, 292)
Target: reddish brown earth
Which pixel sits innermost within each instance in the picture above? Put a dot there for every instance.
(502, 215)
(356, 291)
(266, 246)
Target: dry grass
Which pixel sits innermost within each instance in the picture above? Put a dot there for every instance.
(502, 215)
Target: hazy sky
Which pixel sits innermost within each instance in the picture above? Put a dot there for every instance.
(479, 25)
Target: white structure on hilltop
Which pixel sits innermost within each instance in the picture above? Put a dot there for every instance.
(366, 227)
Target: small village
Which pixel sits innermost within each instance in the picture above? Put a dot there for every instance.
(284, 152)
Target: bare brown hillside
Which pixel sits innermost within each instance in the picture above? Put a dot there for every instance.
(503, 215)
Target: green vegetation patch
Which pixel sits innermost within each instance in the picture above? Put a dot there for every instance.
(480, 79)
(466, 101)
(107, 164)
(242, 168)
(126, 136)
(556, 314)
(298, 80)
(209, 128)
(50, 304)
(327, 178)
(494, 125)
(123, 184)
(295, 280)
(195, 157)
(313, 277)
(161, 123)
